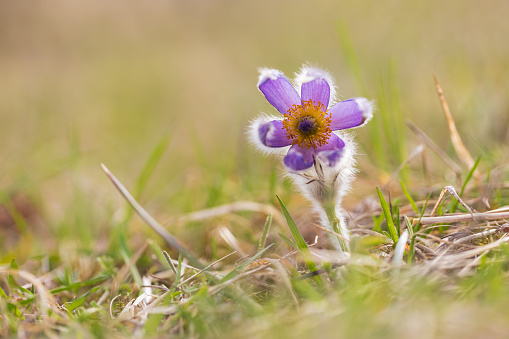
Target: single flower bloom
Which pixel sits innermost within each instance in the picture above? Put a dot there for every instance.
(309, 121)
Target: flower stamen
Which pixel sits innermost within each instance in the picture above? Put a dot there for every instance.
(308, 125)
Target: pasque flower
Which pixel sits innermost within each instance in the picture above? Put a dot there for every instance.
(320, 157)
(309, 120)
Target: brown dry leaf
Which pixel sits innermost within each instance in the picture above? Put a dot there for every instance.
(257, 263)
(459, 147)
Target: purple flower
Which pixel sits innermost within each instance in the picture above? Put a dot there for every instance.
(309, 122)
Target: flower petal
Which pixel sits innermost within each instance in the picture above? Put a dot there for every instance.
(272, 134)
(298, 158)
(316, 89)
(350, 113)
(277, 90)
(331, 152)
(256, 135)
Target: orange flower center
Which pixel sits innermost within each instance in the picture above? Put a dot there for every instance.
(308, 125)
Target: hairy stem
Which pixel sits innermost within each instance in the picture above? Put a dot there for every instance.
(329, 206)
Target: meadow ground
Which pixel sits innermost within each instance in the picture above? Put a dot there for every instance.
(161, 93)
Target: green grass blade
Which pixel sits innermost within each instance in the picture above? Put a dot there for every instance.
(418, 225)
(409, 225)
(2, 293)
(470, 174)
(388, 217)
(300, 242)
(397, 219)
(288, 241)
(146, 172)
(150, 165)
(80, 300)
(467, 179)
(409, 198)
(170, 262)
(377, 223)
(350, 55)
(398, 120)
(10, 279)
(178, 275)
(158, 252)
(78, 285)
(411, 251)
(154, 320)
(266, 228)
(134, 271)
(352, 60)
(15, 310)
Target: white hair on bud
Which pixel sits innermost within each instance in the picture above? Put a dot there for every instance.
(254, 137)
(308, 73)
(266, 74)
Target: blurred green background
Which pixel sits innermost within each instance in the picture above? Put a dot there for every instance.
(84, 83)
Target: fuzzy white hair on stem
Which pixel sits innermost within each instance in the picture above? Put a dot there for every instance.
(325, 186)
